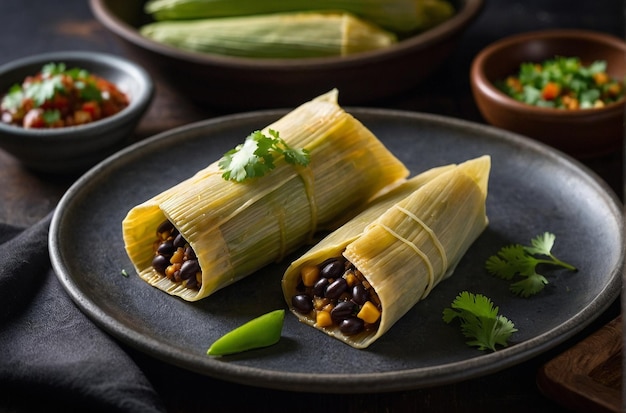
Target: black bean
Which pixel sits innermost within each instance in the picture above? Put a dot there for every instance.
(336, 288)
(166, 248)
(359, 294)
(190, 254)
(333, 268)
(160, 263)
(329, 260)
(319, 289)
(301, 288)
(191, 283)
(179, 241)
(351, 326)
(343, 310)
(302, 303)
(189, 268)
(164, 227)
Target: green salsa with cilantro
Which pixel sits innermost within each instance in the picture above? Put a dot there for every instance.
(59, 97)
(564, 83)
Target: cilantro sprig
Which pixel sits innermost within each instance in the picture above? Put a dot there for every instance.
(522, 261)
(256, 156)
(480, 321)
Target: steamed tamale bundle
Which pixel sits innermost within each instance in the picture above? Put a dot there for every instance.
(282, 35)
(208, 232)
(394, 15)
(362, 278)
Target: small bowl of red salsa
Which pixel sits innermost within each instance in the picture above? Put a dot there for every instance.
(58, 96)
(66, 111)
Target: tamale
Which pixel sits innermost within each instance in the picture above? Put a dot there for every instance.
(281, 35)
(397, 250)
(235, 228)
(400, 16)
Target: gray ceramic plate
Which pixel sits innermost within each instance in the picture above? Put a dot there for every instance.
(532, 189)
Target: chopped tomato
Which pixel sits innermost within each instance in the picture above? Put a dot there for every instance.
(92, 108)
(550, 91)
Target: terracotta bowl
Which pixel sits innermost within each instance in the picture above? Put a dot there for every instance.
(73, 149)
(234, 83)
(581, 133)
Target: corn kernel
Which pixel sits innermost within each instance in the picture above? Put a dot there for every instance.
(319, 302)
(600, 78)
(178, 255)
(323, 319)
(310, 275)
(570, 102)
(615, 89)
(369, 313)
(351, 279)
(171, 269)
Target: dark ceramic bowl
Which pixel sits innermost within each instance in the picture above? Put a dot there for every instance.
(582, 133)
(235, 83)
(76, 148)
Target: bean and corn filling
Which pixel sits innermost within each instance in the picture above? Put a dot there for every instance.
(335, 293)
(174, 258)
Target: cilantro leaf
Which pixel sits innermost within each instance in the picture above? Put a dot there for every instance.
(88, 91)
(13, 99)
(256, 156)
(40, 92)
(51, 69)
(522, 261)
(51, 116)
(531, 284)
(242, 162)
(480, 322)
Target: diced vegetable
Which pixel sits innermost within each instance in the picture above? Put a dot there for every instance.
(564, 83)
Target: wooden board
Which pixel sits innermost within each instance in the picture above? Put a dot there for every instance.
(588, 377)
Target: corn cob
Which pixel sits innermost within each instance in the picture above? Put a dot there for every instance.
(401, 16)
(283, 35)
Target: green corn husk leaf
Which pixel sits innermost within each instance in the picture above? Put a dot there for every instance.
(400, 16)
(285, 35)
(406, 243)
(237, 228)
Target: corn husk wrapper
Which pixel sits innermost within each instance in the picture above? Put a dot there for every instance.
(406, 242)
(281, 35)
(395, 15)
(237, 228)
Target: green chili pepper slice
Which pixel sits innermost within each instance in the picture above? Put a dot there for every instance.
(262, 331)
